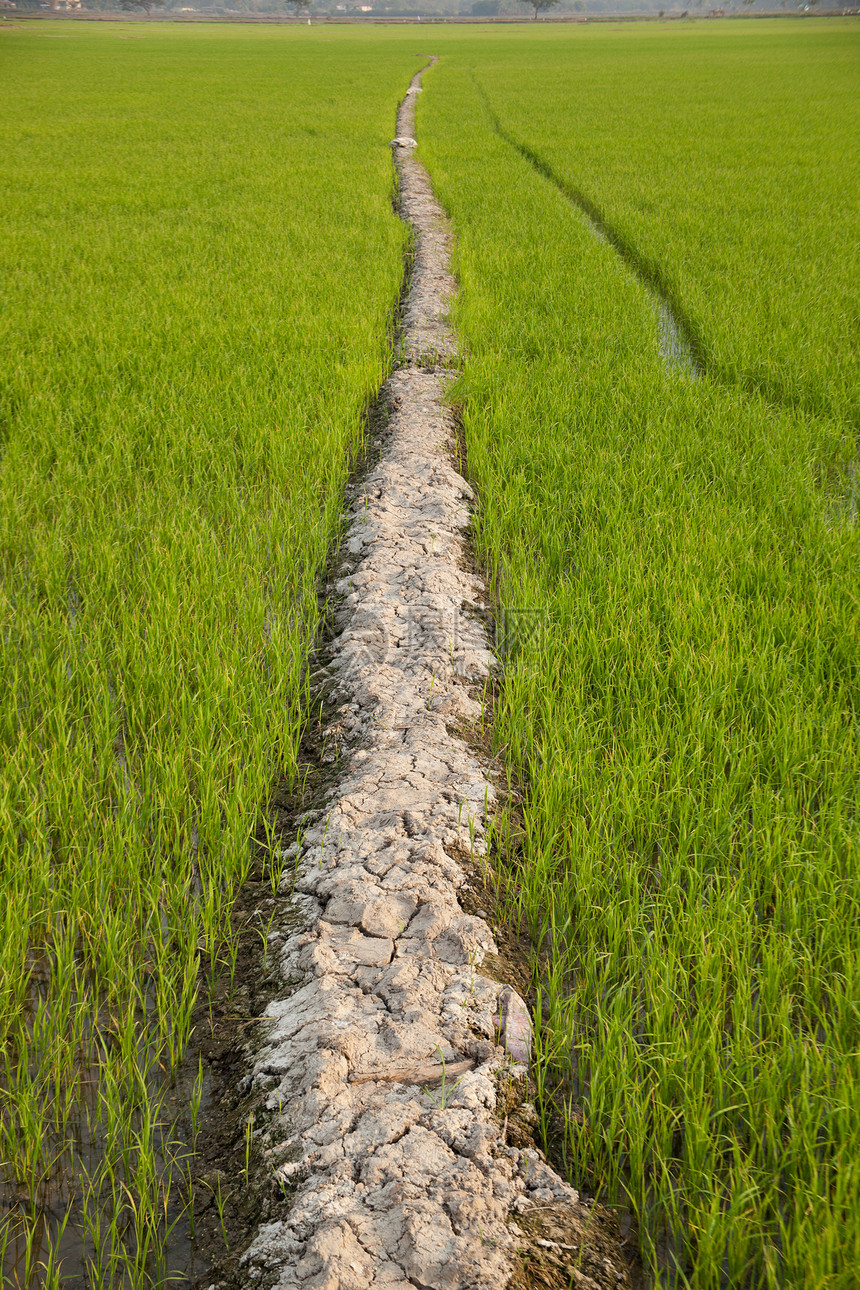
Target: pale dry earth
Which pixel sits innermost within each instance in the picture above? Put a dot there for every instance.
(389, 1057)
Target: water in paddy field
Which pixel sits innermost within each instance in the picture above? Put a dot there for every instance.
(852, 494)
(844, 501)
(675, 349)
(50, 1224)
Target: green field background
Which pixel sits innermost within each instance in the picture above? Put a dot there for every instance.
(201, 267)
(685, 719)
(725, 156)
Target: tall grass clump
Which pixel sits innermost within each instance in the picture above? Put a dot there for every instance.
(201, 264)
(682, 709)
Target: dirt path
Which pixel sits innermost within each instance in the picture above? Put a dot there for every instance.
(383, 1062)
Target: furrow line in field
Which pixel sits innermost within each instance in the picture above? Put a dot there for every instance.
(680, 347)
(390, 1059)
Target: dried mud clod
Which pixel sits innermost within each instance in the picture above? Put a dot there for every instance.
(393, 1134)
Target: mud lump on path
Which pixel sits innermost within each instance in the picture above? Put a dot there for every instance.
(389, 1060)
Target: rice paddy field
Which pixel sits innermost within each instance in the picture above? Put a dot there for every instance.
(201, 266)
(686, 721)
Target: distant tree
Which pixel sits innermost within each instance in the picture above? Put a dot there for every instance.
(485, 8)
(301, 6)
(540, 5)
(130, 5)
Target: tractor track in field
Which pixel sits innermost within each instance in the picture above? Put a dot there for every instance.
(680, 347)
(681, 344)
(391, 1081)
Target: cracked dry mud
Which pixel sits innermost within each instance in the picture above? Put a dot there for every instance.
(386, 1055)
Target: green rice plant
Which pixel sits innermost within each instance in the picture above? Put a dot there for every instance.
(201, 263)
(682, 712)
(724, 159)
